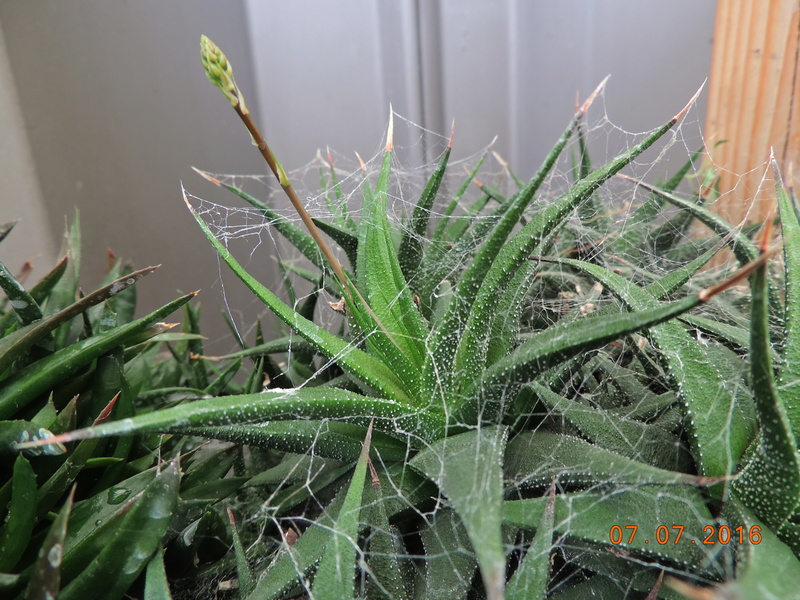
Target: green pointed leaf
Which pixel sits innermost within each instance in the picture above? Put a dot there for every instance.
(156, 586)
(41, 290)
(410, 252)
(217, 386)
(466, 467)
(65, 291)
(467, 221)
(506, 259)
(95, 521)
(671, 184)
(14, 345)
(130, 548)
(359, 364)
(672, 281)
(299, 559)
(274, 346)
(384, 544)
(246, 581)
(556, 344)
(43, 375)
(380, 278)
(506, 321)
(124, 302)
(439, 233)
(346, 239)
(196, 371)
(292, 498)
(337, 207)
(22, 302)
(450, 559)
(719, 431)
(293, 234)
(534, 457)
(633, 439)
(45, 580)
(447, 337)
(789, 368)
(381, 343)
(591, 211)
(744, 249)
(769, 485)
(337, 570)
(54, 487)
(16, 531)
(6, 228)
(441, 258)
(289, 404)
(529, 581)
(736, 338)
(330, 439)
(590, 516)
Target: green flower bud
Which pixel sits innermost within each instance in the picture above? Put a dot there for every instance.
(219, 72)
(283, 178)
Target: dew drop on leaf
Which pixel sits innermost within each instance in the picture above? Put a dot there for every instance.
(54, 556)
(118, 495)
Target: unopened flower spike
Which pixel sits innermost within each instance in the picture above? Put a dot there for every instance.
(220, 73)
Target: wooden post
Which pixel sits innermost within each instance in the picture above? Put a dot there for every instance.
(753, 102)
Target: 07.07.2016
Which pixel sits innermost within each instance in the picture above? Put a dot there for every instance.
(721, 534)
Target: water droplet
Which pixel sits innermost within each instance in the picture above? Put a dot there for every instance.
(118, 495)
(54, 555)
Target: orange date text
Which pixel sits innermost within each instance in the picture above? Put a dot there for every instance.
(712, 534)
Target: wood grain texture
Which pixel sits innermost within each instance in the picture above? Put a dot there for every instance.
(753, 101)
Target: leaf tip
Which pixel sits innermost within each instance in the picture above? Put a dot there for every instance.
(592, 97)
(207, 176)
(503, 162)
(689, 104)
(390, 131)
(361, 162)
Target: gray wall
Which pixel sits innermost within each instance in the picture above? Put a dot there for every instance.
(108, 107)
(510, 68)
(117, 109)
(20, 197)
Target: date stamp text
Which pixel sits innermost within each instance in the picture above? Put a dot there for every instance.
(719, 534)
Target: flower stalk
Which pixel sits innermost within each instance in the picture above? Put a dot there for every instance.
(220, 72)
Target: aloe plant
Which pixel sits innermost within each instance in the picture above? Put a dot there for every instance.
(459, 444)
(85, 521)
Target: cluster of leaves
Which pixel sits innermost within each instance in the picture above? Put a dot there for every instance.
(514, 441)
(85, 520)
(449, 441)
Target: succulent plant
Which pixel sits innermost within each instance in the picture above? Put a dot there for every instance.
(452, 441)
(85, 521)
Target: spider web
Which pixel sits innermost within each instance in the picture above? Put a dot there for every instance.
(554, 294)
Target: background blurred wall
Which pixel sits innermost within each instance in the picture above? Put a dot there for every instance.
(20, 196)
(117, 109)
(105, 106)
